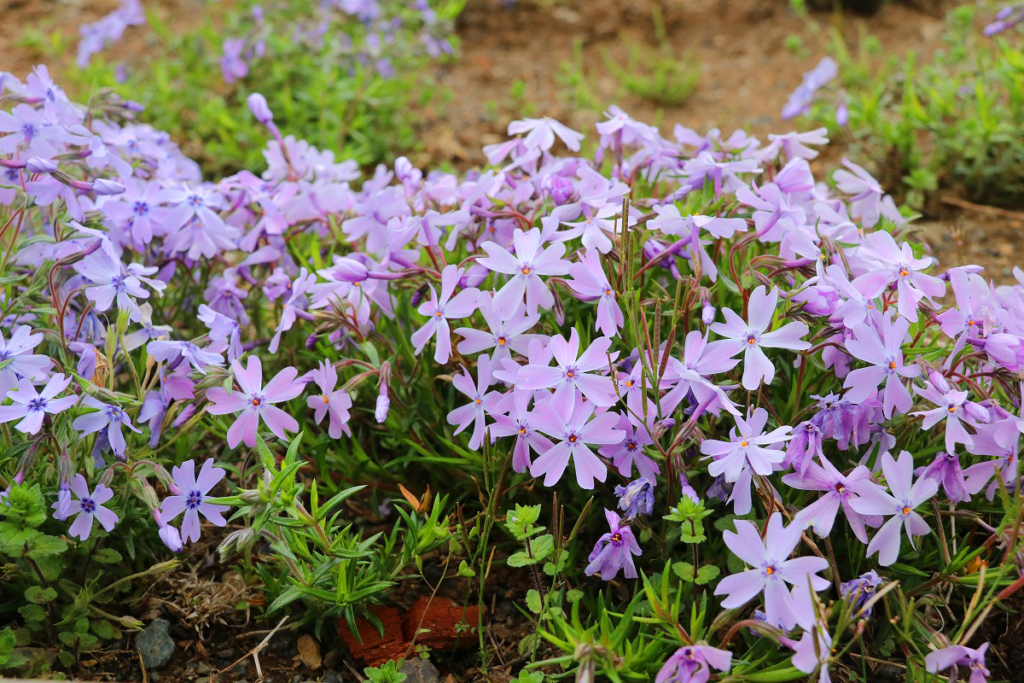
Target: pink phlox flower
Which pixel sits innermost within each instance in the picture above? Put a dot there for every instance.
(176, 352)
(295, 303)
(440, 309)
(693, 664)
(884, 353)
(481, 401)
(751, 337)
(574, 371)
(541, 133)
(793, 145)
(700, 362)
(899, 505)
(225, 332)
(959, 484)
(255, 402)
(838, 490)
(866, 202)
(590, 283)
(629, 453)
(518, 423)
(772, 569)
(507, 331)
(330, 401)
(774, 213)
(571, 422)
(112, 280)
(892, 264)
(952, 407)
(724, 174)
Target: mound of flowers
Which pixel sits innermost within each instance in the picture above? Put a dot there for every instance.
(802, 431)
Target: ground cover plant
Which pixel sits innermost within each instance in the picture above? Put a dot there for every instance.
(934, 127)
(340, 75)
(702, 414)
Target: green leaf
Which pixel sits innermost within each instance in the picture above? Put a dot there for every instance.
(466, 571)
(40, 595)
(533, 601)
(706, 574)
(107, 556)
(684, 570)
(45, 546)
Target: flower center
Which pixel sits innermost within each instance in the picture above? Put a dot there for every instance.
(256, 402)
(501, 341)
(892, 365)
(744, 444)
(88, 505)
(608, 292)
(522, 430)
(769, 570)
(325, 398)
(526, 270)
(616, 537)
(840, 489)
(952, 409)
(195, 498)
(751, 339)
(573, 438)
(37, 404)
(904, 272)
(970, 323)
(905, 510)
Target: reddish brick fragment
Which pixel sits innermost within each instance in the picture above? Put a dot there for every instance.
(439, 622)
(375, 649)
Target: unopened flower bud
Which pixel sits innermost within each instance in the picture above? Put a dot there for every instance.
(104, 187)
(260, 109)
(40, 165)
(707, 313)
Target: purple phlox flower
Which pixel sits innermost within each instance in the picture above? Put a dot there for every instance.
(860, 590)
(900, 505)
(89, 507)
(590, 283)
(518, 423)
(574, 371)
(959, 655)
(837, 492)
(46, 190)
(108, 420)
(480, 403)
(226, 297)
(751, 337)
(803, 447)
(113, 280)
(372, 216)
(723, 174)
(701, 360)
(671, 222)
(193, 224)
(959, 484)
(108, 29)
(31, 406)
(771, 569)
(295, 303)
(967, 320)
(866, 202)
(571, 422)
(329, 401)
(953, 407)
(629, 452)
(149, 332)
(190, 498)
(800, 100)
(440, 309)
(614, 551)
(225, 332)
(621, 129)
(233, 66)
(892, 264)
(687, 491)
(137, 210)
(19, 362)
(173, 387)
(813, 652)
(835, 418)
(855, 307)
(820, 300)
(506, 330)
(541, 133)
(793, 144)
(594, 228)
(176, 352)
(999, 439)
(636, 498)
(255, 401)
(1005, 19)
(382, 405)
(32, 133)
(775, 214)
(884, 353)
(693, 664)
(748, 450)
(169, 535)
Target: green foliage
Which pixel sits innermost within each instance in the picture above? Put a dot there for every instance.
(948, 123)
(385, 673)
(348, 90)
(656, 73)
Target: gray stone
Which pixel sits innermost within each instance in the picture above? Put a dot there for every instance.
(155, 644)
(420, 671)
(332, 677)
